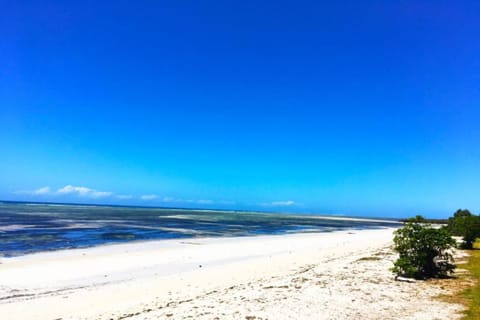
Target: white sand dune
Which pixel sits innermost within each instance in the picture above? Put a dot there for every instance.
(338, 275)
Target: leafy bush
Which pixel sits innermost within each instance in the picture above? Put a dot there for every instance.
(456, 224)
(466, 225)
(424, 252)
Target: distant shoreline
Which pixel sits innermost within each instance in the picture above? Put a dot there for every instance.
(432, 221)
(201, 209)
(35, 227)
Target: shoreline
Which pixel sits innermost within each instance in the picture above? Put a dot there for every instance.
(204, 278)
(193, 239)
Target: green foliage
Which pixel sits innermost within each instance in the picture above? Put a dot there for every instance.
(466, 225)
(462, 213)
(424, 252)
(472, 231)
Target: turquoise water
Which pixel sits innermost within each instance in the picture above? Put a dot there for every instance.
(34, 227)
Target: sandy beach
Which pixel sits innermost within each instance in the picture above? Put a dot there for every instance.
(337, 275)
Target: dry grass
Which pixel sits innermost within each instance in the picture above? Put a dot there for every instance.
(472, 294)
(465, 287)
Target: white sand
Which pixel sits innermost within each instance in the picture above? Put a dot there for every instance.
(299, 276)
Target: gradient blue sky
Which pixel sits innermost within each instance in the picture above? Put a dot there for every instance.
(345, 107)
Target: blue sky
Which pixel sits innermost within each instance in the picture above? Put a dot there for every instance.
(353, 107)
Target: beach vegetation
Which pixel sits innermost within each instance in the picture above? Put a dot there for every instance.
(467, 286)
(473, 293)
(424, 251)
(466, 225)
(371, 258)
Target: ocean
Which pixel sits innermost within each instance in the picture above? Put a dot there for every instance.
(34, 227)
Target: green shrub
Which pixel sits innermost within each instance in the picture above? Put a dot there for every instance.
(424, 252)
(466, 225)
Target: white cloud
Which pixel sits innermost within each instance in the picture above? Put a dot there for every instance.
(124, 196)
(279, 203)
(42, 191)
(149, 197)
(71, 189)
(98, 194)
(83, 191)
(86, 192)
(226, 202)
(201, 201)
(37, 192)
(283, 203)
(204, 201)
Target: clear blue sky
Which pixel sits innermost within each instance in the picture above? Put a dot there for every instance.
(343, 107)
